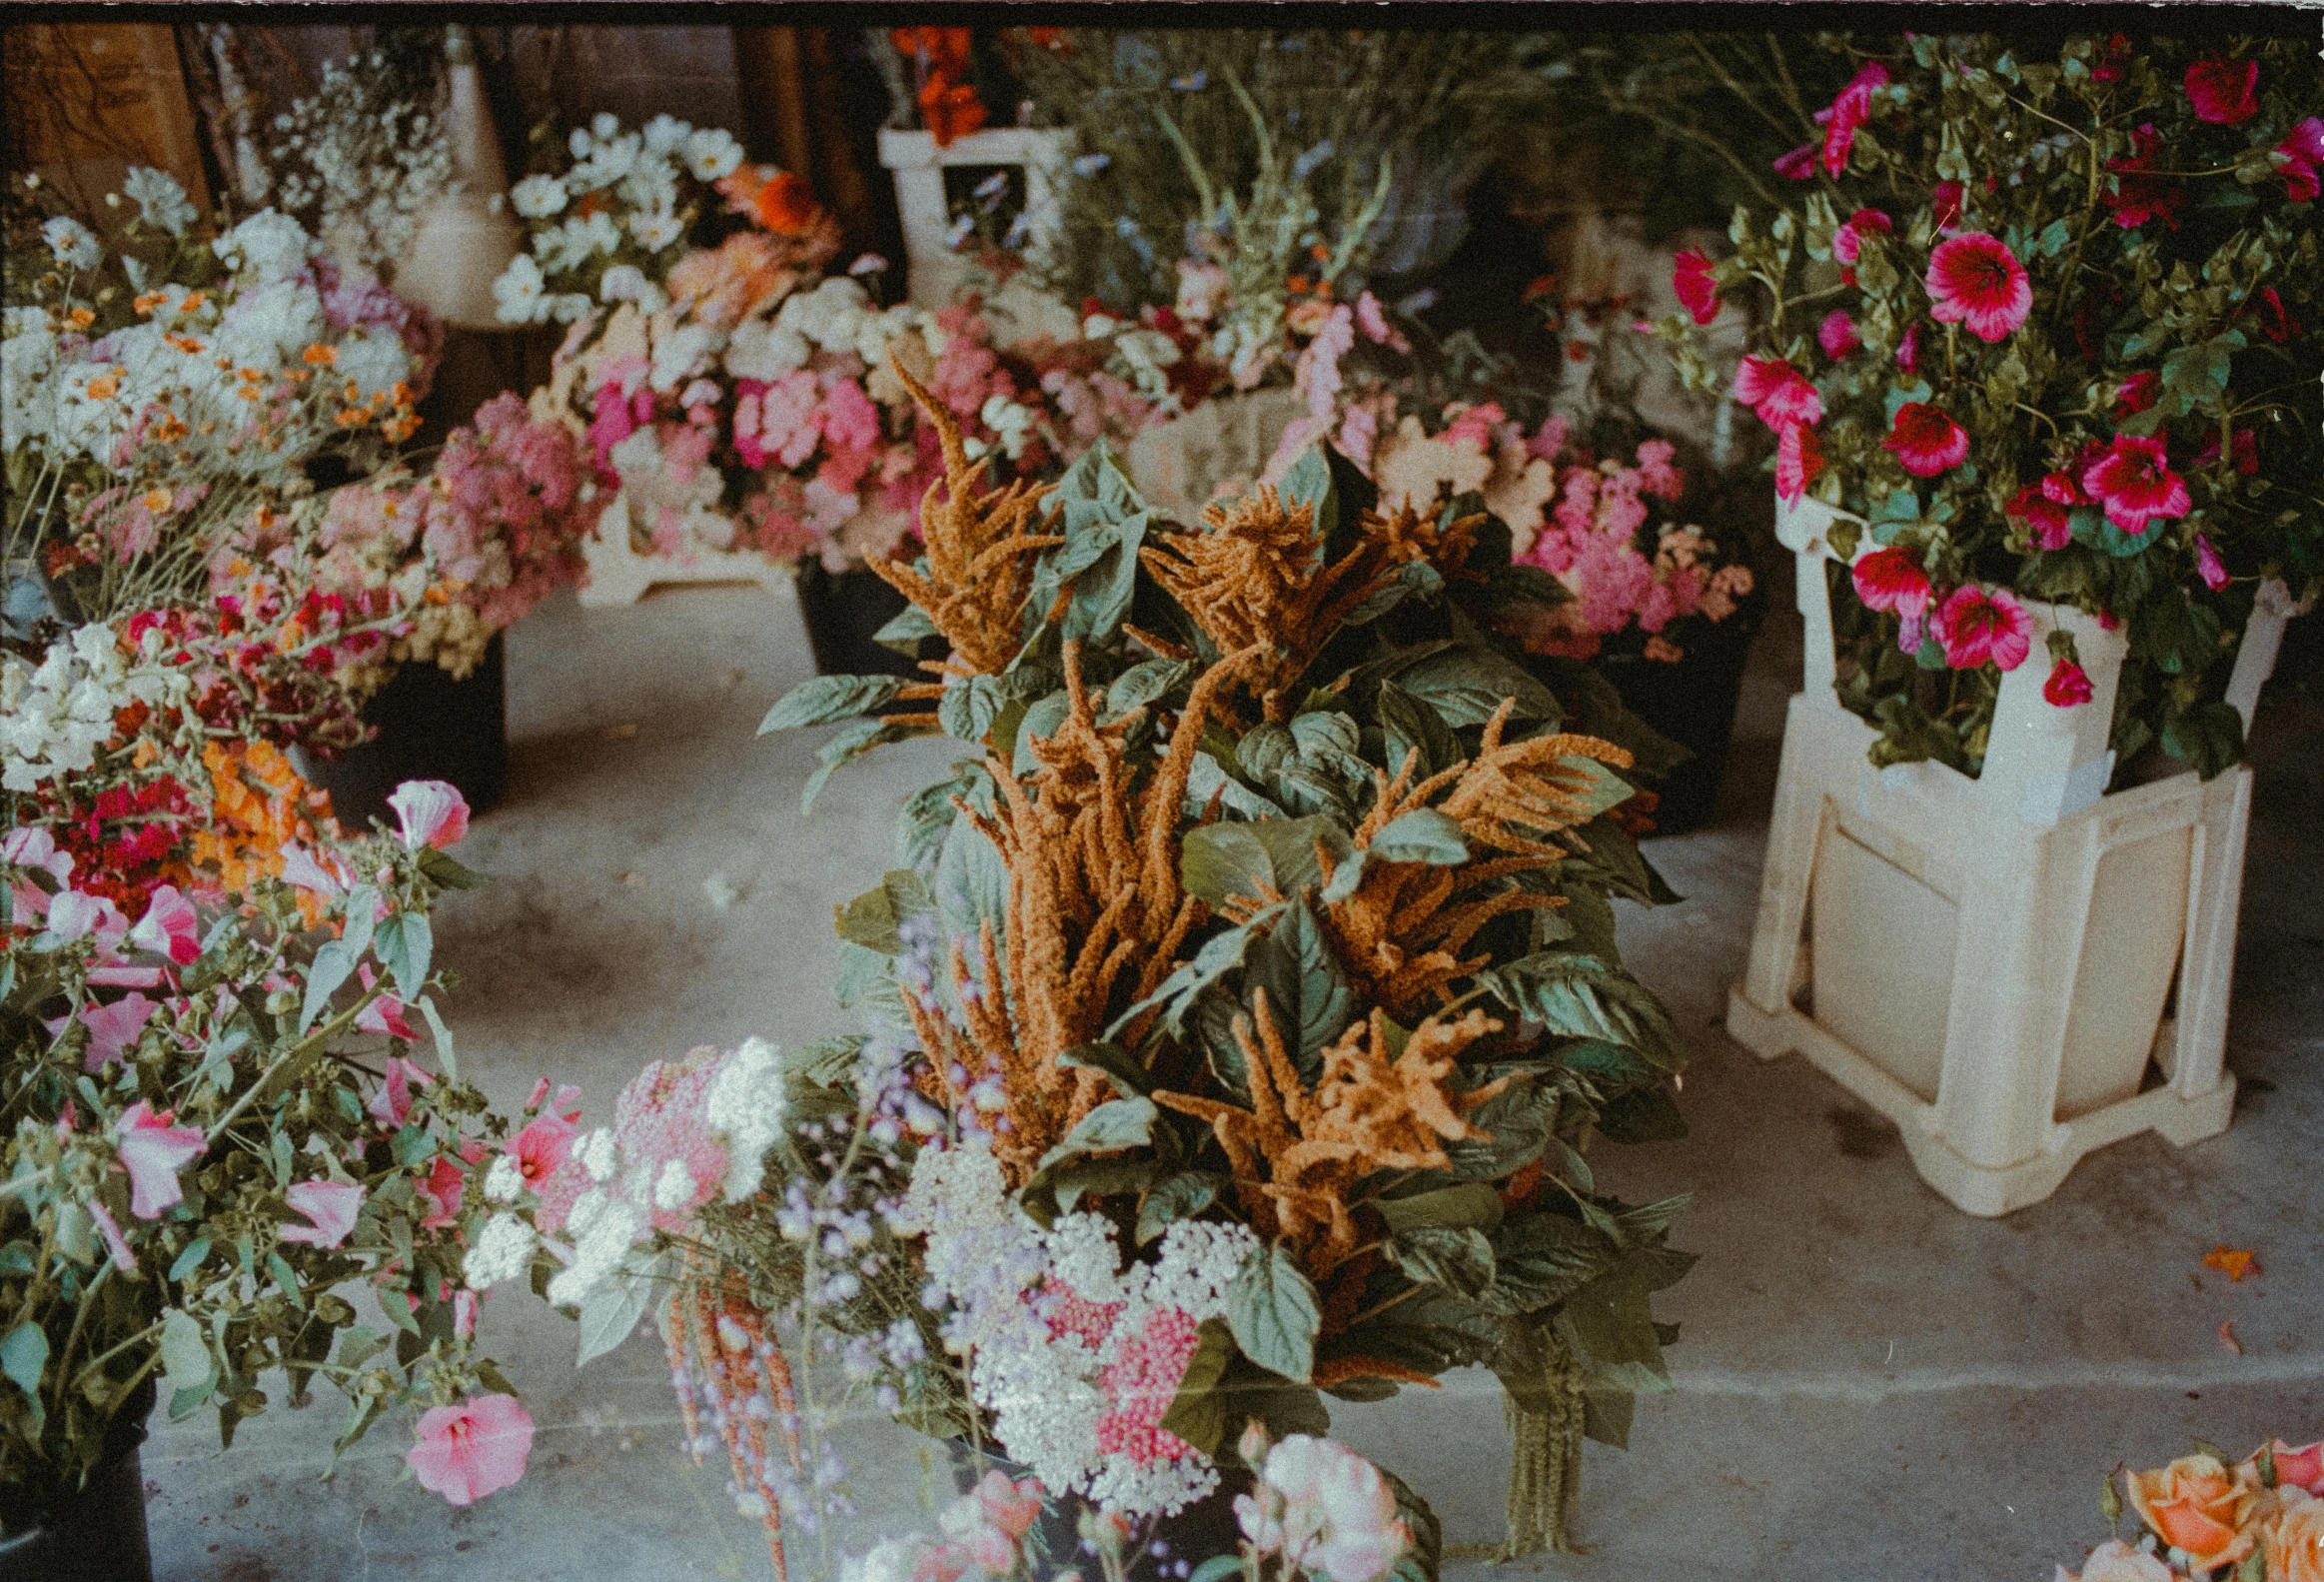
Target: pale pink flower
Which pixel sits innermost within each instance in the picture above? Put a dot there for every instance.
(540, 1148)
(2116, 1561)
(431, 813)
(1373, 323)
(464, 1314)
(115, 1243)
(169, 928)
(1325, 1508)
(303, 869)
(391, 1107)
(332, 1206)
(153, 1152)
(75, 915)
(441, 1192)
(467, 1452)
(113, 1029)
(385, 1016)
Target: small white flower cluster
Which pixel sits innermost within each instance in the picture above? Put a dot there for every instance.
(1139, 354)
(54, 717)
(160, 200)
(359, 166)
(994, 1273)
(749, 1106)
(502, 1252)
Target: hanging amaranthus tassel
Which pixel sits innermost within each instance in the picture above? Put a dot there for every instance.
(722, 1358)
(1544, 1473)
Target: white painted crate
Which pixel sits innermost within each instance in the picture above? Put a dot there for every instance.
(935, 273)
(1988, 961)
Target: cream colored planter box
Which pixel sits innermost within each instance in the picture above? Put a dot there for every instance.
(620, 575)
(935, 273)
(1992, 963)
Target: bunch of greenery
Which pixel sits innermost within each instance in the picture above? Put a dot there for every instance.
(1277, 895)
(2047, 323)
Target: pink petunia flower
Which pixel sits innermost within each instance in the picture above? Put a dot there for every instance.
(153, 1152)
(2044, 516)
(1908, 350)
(391, 1107)
(1926, 440)
(2297, 157)
(332, 1206)
(1848, 241)
(169, 928)
(1690, 279)
(2133, 479)
(1838, 335)
(113, 1029)
(540, 1148)
(2068, 686)
(1847, 112)
(1799, 461)
(1945, 201)
(1777, 392)
(1979, 627)
(2207, 563)
(2223, 91)
(1891, 578)
(76, 914)
(1800, 164)
(1976, 281)
(431, 813)
(467, 1452)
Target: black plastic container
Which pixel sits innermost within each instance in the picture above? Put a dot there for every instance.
(99, 1534)
(843, 611)
(1692, 702)
(427, 727)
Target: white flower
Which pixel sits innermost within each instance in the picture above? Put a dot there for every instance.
(604, 123)
(72, 244)
(606, 163)
(537, 197)
(601, 1250)
(747, 1103)
(665, 132)
(673, 1189)
(678, 354)
(159, 197)
(598, 1154)
(760, 350)
(502, 1250)
(570, 308)
(621, 283)
(655, 229)
(267, 245)
(504, 1181)
(890, 1560)
(516, 295)
(1325, 1508)
(711, 154)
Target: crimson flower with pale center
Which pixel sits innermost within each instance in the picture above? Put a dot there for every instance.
(1891, 578)
(1926, 440)
(1979, 627)
(1976, 281)
(2047, 519)
(1777, 392)
(1690, 279)
(1799, 461)
(2133, 479)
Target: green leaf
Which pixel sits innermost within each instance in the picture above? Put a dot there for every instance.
(1542, 1258)
(22, 1357)
(1116, 1124)
(1218, 1568)
(972, 888)
(1424, 835)
(1515, 1122)
(873, 919)
(1457, 1257)
(1069, 1182)
(1307, 991)
(406, 944)
(612, 1307)
(905, 631)
(187, 1364)
(1408, 727)
(970, 705)
(847, 744)
(1581, 997)
(287, 1278)
(1471, 1205)
(1115, 1063)
(1464, 686)
(446, 871)
(1181, 1196)
(443, 1036)
(1178, 993)
(331, 966)
(1645, 1115)
(190, 1260)
(1222, 861)
(2210, 738)
(1309, 482)
(1274, 1314)
(1611, 1321)
(1196, 1413)
(1144, 682)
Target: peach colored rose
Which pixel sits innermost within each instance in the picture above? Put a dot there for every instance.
(2197, 1506)
(2294, 1541)
(2116, 1561)
(2297, 1466)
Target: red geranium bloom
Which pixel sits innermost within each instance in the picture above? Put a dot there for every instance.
(1799, 461)
(2043, 515)
(1690, 279)
(1926, 440)
(1979, 627)
(1891, 578)
(1847, 241)
(2137, 393)
(2115, 62)
(950, 109)
(2275, 320)
(2298, 156)
(2133, 479)
(1799, 165)
(2068, 686)
(1945, 199)
(943, 49)
(2222, 91)
(1975, 281)
(1777, 392)
(1848, 111)
(1838, 335)
(2246, 451)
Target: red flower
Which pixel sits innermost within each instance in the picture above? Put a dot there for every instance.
(1979, 627)
(1799, 461)
(939, 49)
(1945, 200)
(1847, 112)
(1838, 335)
(950, 109)
(2207, 563)
(2133, 479)
(1848, 241)
(1690, 279)
(2043, 515)
(2115, 62)
(2068, 686)
(2275, 320)
(2298, 156)
(2138, 196)
(1777, 392)
(1926, 440)
(1975, 281)
(1799, 165)
(2246, 451)
(2222, 91)
(2137, 393)
(1891, 578)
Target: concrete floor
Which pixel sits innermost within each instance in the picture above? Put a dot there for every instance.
(1870, 1384)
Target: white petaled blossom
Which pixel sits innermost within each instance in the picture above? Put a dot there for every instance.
(71, 242)
(655, 229)
(356, 166)
(747, 1105)
(831, 316)
(570, 308)
(680, 354)
(664, 133)
(502, 1250)
(267, 245)
(516, 295)
(623, 283)
(673, 1187)
(504, 1181)
(760, 350)
(713, 154)
(54, 717)
(598, 1154)
(159, 199)
(537, 197)
(1326, 1510)
(605, 1229)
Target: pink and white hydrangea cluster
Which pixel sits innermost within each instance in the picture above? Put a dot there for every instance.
(1075, 1356)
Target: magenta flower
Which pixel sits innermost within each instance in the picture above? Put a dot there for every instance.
(1975, 281)
(1926, 440)
(1848, 243)
(432, 812)
(1777, 392)
(1799, 461)
(2045, 517)
(1800, 164)
(467, 1452)
(1838, 335)
(2139, 392)
(1690, 279)
(153, 1152)
(332, 1206)
(1979, 627)
(2068, 686)
(2245, 452)
(169, 928)
(113, 1029)
(1847, 112)
(1945, 201)
(1908, 350)
(391, 1107)
(441, 1193)
(2208, 563)
(1891, 578)
(2298, 156)
(115, 1243)
(2133, 479)
(2222, 91)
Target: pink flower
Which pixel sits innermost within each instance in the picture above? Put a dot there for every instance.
(540, 1148)
(1908, 350)
(115, 1243)
(2133, 479)
(464, 1314)
(2245, 450)
(2207, 563)
(1944, 202)
(1975, 281)
(1848, 241)
(1799, 461)
(169, 928)
(1690, 279)
(113, 1029)
(1926, 440)
(2047, 519)
(1324, 1508)
(1799, 165)
(74, 914)
(391, 1107)
(1372, 318)
(1141, 1383)
(332, 1206)
(301, 868)
(1979, 627)
(1847, 112)
(467, 1452)
(2299, 1466)
(1838, 335)
(431, 813)
(2139, 392)
(2222, 91)
(385, 1016)
(1891, 578)
(1777, 392)
(2068, 686)
(153, 1152)
(2275, 322)
(2298, 156)
(441, 1193)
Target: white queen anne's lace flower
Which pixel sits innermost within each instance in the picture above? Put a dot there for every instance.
(502, 1251)
(269, 244)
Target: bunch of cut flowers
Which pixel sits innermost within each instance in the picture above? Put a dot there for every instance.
(2043, 327)
(2260, 1519)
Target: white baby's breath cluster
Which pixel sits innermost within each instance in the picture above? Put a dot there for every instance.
(56, 715)
(358, 165)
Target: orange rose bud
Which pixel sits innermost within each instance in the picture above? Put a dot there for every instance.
(2197, 1506)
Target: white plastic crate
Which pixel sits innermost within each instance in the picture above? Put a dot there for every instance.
(1992, 963)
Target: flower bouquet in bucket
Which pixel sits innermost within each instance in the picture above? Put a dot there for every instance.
(2257, 1520)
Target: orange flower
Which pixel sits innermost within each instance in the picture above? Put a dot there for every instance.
(2234, 1262)
(194, 298)
(951, 108)
(1048, 38)
(144, 302)
(258, 804)
(943, 49)
(102, 387)
(2294, 1541)
(156, 498)
(786, 205)
(81, 318)
(320, 356)
(2195, 1504)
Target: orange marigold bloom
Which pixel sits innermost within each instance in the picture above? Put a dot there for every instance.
(81, 318)
(102, 387)
(951, 108)
(320, 356)
(156, 498)
(945, 49)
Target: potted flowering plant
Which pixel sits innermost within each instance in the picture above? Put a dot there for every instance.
(2205, 1516)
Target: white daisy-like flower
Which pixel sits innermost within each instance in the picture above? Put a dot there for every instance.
(598, 1154)
(621, 283)
(713, 154)
(159, 197)
(504, 1181)
(665, 132)
(537, 197)
(655, 229)
(71, 242)
(516, 295)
